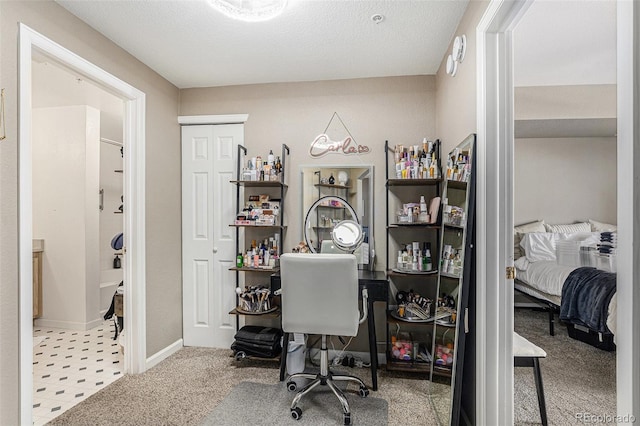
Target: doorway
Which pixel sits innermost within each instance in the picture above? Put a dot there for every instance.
(495, 217)
(77, 188)
(30, 44)
(565, 185)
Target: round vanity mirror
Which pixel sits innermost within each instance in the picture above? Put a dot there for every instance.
(331, 224)
(347, 235)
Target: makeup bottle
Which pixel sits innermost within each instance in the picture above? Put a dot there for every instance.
(425, 148)
(278, 166)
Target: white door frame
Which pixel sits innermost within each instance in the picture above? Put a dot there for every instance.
(494, 362)
(134, 201)
(628, 268)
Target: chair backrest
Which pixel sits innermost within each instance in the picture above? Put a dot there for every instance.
(319, 293)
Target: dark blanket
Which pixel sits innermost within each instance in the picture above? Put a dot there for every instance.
(586, 294)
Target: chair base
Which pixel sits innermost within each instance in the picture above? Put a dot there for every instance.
(324, 378)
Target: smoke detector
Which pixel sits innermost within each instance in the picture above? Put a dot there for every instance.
(377, 18)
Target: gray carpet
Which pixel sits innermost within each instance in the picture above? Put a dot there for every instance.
(185, 388)
(577, 377)
(259, 404)
(188, 386)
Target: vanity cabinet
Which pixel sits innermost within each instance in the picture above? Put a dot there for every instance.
(413, 241)
(252, 231)
(455, 283)
(37, 281)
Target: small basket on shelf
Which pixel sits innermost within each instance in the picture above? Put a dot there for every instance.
(255, 300)
(412, 307)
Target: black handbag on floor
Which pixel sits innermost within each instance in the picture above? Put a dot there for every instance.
(258, 341)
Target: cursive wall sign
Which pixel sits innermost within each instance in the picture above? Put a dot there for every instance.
(322, 146)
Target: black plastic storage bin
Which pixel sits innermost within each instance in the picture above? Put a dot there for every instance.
(602, 341)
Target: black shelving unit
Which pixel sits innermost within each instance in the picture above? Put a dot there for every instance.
(422, 282)
(281, 188)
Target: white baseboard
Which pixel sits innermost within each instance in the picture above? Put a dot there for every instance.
(68, 325)
(163, 354)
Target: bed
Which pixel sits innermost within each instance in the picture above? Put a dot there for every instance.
(542, 268)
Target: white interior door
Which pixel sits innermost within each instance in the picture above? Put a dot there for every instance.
(208, 242)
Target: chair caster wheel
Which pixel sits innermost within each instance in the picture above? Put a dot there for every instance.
(296, 413)
(363, 392)
(347, 419)
(291, 386)
(240, 356)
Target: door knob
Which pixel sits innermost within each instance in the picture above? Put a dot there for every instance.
(215, 249)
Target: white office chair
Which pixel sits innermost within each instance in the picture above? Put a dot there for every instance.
(320, 296)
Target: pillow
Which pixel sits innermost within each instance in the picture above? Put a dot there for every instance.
(520, 230)
(584, 238)
(602, 227)
(569, 228)
(539, 246)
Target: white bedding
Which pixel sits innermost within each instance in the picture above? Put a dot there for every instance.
(544, 275)
(548, 277)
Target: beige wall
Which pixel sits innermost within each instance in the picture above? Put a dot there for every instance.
(164, 307)
(66, 170)
(565, 180)
(398, 109)
(580, 101)
(571, 178)
(456, 96)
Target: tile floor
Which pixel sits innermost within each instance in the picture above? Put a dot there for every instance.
(71, 365)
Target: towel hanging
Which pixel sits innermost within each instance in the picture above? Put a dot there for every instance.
(117, 241)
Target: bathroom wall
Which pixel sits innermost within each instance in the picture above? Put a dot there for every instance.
(66, 164)
(111, 220)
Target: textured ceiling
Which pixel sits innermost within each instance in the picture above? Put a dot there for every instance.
(192, 45)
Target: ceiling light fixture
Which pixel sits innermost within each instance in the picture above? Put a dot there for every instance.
(249, 10)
